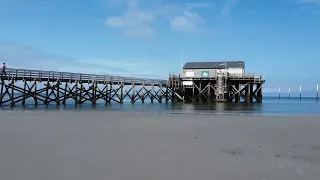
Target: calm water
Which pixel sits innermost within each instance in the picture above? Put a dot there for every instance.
(270, 105)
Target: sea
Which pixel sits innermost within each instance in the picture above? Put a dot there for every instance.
(270, 106)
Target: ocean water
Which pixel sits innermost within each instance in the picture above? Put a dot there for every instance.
(270, 105)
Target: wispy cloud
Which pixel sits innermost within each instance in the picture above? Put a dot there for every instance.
(137, 21)
(229, 4)
(134, 22)
(311, 6)
(188, 22)
(314, 2)
(26, 57)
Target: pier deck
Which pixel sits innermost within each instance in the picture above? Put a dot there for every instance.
(18, 85)
(39, 75)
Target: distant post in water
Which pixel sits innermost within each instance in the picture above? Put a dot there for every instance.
(300, 92)
(317, 99)
(279, 92)
(289, 93)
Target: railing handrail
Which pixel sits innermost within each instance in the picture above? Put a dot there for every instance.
(32, 73)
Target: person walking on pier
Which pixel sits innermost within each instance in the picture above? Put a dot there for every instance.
(3, 69)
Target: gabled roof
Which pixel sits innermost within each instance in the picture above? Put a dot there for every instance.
(214, 65)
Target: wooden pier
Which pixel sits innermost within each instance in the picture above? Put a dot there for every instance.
(216, 82)
(47, 87)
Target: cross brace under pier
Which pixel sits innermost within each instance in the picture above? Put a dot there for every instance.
(210, 91)
(13, 92)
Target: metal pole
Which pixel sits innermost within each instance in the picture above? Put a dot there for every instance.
(300, 92)
(181, 58)
(279, 92)
(289, 93)
(317, 99)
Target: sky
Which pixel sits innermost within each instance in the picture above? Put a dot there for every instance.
(278, 39)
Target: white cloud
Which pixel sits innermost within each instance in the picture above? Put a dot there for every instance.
(137, 21)
(134, 22)
(187, 22)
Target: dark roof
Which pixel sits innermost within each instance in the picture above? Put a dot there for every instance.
(214, 65)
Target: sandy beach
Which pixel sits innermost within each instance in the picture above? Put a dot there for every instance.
(97, 145)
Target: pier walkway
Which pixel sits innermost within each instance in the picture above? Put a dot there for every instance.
(80, 87)
(30, 75)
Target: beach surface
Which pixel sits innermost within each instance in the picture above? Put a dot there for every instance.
(97, 145)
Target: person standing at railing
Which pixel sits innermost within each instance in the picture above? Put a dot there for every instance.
(4, 69)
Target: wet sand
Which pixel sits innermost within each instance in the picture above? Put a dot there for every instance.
(95, 145)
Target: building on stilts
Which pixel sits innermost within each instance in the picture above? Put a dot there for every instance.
(225, 81)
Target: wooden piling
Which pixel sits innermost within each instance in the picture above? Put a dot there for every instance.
(259, 92)
(209, 92)
(107, 92)
(12, 92)
(238, 93)
(58, 92)
(251, 91)
(2, 87)
(24, 93)
(143, 93)
(161, 95)
(121, 93)
(76, 99)
(193, 93)
(167, 94)
(47, 93)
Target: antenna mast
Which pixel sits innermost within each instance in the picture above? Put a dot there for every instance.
(181, 58)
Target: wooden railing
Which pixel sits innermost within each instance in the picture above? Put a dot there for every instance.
(43, 75)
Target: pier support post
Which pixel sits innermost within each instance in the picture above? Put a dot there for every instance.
(142, 97)
(121, 93)
(251, 92)
(259, 93)
(193, 92)
(107, 92)
(110, 92)
(80, 92)
(200, 93)
(160, 95)
(58, 93)
(94, 92)
(152, 93)
(65, 93)
(12, 92)
(24, 93)
(1, 92)
(173, 99)
(248, 93)
(209, 92)
(237, 97)
(35, 92)
(48, 86)
(167, 94)
(76, 98)
(133, 94)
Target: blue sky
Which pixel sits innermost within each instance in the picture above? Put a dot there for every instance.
(279, 39)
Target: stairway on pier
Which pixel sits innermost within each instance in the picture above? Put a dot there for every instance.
(221, 87)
